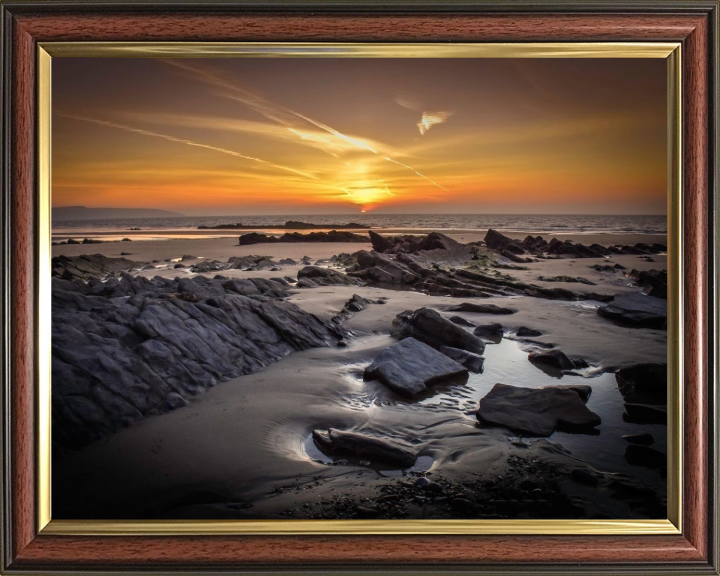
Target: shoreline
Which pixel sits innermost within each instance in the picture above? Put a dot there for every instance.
(237, 450)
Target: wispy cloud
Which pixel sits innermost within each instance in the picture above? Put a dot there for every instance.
(170, 138)
(290, 119)
(428, 119)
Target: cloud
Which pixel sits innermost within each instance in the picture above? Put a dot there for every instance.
(430, 119)
(143, 132)
(290, 118)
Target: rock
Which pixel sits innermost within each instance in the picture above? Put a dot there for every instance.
(638, 455)
(584, 477)
(355, 444)
(381, 269)
(489, 330)
(552, 358)
(178, 266)
(480, 308)
(645, 439)
(126, 240)
(422, 482)
(569, 279)
(287, 262)
(460, 321)
(472, 362)
(188, 257)
(536, 411)
(428, 326)
(131, 347)
(91, 265)
(410, 366)
(501, 243)
(324, 277)
(524, 331)
(582, 390)
(653, 282)
(355, 304)
(332, 236)
(636, 310)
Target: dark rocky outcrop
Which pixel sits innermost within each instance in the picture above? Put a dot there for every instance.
(357, 445)
(460, 321)
(132, 347)
(536, 411)
(355, 304)
(653, 282)
(294, 237)
(536, 245)
(410, 367)
(636, 310)
(91, 265)
(567, 279)
(429, 327)
(311, 276)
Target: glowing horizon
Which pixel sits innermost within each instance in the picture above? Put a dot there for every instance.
(329, 136)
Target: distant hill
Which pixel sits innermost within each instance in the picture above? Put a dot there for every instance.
(83, 213)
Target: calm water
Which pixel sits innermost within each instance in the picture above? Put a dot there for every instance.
(539, 224)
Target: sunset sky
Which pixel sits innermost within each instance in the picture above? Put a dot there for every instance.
(339, 136)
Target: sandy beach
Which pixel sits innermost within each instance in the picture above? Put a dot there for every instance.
(244, 448)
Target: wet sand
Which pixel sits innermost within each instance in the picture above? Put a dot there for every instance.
(241, 450)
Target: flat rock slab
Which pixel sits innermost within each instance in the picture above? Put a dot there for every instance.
(536, 411)
(481, 308)
(355, 444)
(410, 366)
(582, 390)
(429, 327)
(637, 310)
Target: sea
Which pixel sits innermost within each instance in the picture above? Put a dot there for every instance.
(534, 223)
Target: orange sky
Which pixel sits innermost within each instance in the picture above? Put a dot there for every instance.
(304, 136)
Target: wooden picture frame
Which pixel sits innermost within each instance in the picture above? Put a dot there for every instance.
(28, 547)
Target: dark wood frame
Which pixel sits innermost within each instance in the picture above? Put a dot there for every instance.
(693, 23)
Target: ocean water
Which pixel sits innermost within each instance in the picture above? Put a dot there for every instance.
(537, 224)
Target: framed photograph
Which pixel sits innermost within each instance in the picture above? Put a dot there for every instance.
(359, 288)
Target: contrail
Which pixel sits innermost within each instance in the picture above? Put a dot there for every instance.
(270, 111)
(182, 141)
(416, 172)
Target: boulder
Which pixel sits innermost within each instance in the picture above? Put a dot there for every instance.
(525, 331)
(480, 308)
(355, 444)
(489, 330)
(471, 361)
(644, 390)
(552, 358)
(428, 326)
(410, 366)
(636, 310)
(536, 411)
(653, 282)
